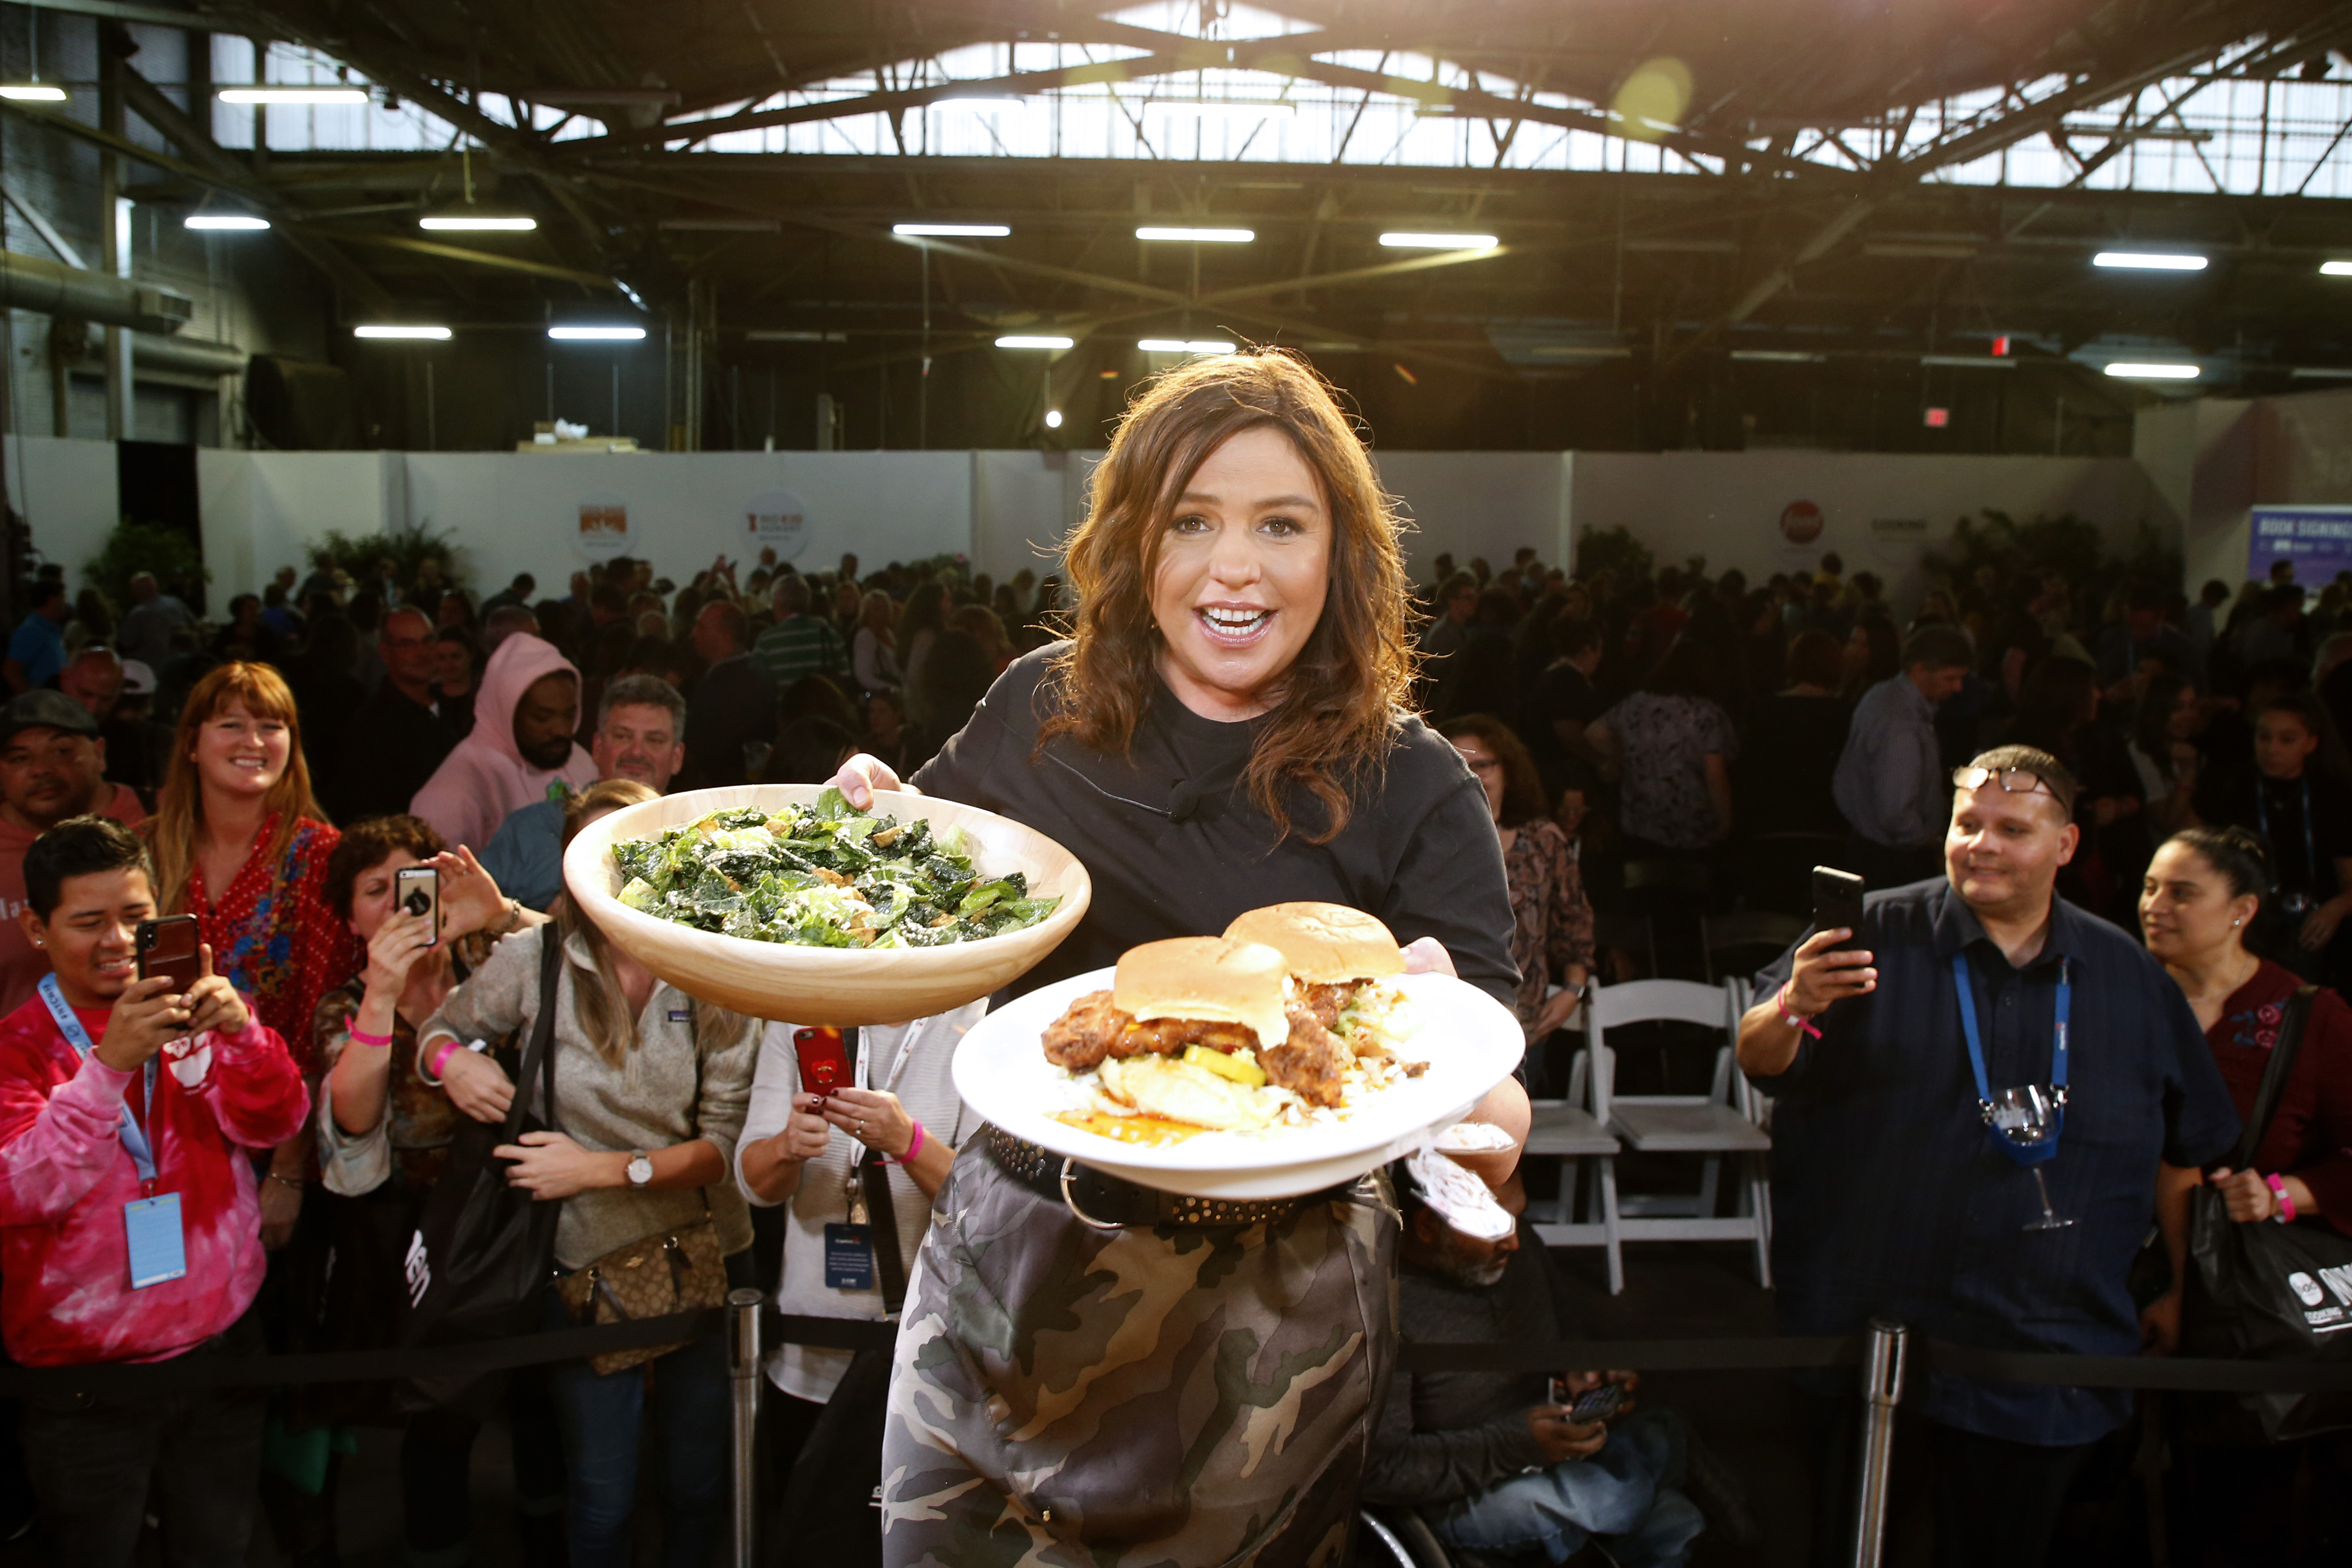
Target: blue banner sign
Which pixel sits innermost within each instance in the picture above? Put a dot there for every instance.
(2316, 539)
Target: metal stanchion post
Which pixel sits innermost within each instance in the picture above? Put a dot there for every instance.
(1881, 1390)
(743, 1334)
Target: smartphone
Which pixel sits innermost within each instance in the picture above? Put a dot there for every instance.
(825, 1063)
(1599, 1404)
(416, 890)
(1837, 900)
(168, 947)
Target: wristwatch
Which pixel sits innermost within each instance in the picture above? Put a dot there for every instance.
(641, 1168)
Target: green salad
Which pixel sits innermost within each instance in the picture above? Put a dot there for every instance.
(825, 875)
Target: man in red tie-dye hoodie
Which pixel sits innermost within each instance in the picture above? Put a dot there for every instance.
(128, 1226)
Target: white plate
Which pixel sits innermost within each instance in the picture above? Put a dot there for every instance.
(1471, 1041)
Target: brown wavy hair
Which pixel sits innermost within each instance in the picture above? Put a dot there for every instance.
(1343, 699)
(179, 806)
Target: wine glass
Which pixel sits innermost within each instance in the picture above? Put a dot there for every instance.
(2027, 1118)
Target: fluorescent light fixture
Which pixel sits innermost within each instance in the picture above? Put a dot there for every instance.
(2132, 369)
(2320, 373)
(1031, 341)
(1404, 240)
(2149, 260)
(32, 92)
(462, 220)
(596, 334)
(223, 220)
(278, 95)
(1777, 356)
(1184, 346)
(2335, 268)
(437, 334)
(1053, 419)
(953, 230)
(1200, 235)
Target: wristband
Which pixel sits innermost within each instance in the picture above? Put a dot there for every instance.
(360, 1037)
(914, 1146)
(440, 1058)
(2285, 1214)
(1801, 1024)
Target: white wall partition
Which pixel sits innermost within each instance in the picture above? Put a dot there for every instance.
(66, 493)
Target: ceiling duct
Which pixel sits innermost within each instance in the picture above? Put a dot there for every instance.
(29, 283)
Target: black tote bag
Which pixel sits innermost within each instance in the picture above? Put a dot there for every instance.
(483, 1250)
(2271, 1292)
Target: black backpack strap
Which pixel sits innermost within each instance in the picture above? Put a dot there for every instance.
(2275, 1073)
(538, 1055)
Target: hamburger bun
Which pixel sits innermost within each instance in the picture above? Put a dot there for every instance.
(1324, 944)
(1207, 978)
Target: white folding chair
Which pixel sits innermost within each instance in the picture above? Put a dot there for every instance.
(1565, 1130)
(1713, 1126)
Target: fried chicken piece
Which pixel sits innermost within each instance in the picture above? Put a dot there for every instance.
(1093, 1028)
(1323, 1002)
(1310, 1063)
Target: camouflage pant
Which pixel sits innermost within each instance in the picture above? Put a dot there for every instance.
(1064, 1397)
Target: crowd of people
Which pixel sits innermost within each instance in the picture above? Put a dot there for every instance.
(2055, 789)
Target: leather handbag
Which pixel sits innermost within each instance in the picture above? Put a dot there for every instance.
(483, 1248)
(2271, 1292)
(651, 1277)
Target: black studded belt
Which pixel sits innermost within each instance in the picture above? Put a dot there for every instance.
(1112, 1203)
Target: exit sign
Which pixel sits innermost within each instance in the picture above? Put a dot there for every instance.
(1938, 418)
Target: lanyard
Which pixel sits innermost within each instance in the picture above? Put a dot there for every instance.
(135, 1138)
(2310, 839)
(1964, 984)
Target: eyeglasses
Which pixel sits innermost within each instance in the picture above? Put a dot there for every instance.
(1484, 765)
(2016, 781)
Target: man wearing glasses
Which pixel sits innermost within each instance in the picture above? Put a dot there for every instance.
(1973, 1097)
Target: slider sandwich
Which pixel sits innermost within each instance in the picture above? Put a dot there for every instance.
(1338, 958)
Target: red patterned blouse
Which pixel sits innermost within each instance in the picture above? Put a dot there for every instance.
(274, 936)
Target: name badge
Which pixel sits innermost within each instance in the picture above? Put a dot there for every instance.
(159, 1250)
(849, 1257)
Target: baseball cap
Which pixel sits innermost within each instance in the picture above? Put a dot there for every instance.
(42, 709)
(138, 678)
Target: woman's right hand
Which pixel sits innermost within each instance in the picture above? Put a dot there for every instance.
(861, 775)
(805, 1132)
(1825, 972)
(2245, 1195)
(394, 949)
(477, 1085)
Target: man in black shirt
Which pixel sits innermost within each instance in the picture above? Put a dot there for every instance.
(1492, 1459)
(400, 735)
(1561, 704)
(732, 702)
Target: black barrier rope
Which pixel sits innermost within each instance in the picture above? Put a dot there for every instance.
(199, 1370)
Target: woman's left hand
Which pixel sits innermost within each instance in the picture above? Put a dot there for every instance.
(1557, 1009)
(549, 1165)
(2245, 1194)
(872, 1116)
(1427, 955)
(2319, 925)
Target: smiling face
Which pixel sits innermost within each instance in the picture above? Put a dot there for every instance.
(241, 753)
(371, 892)
(638, 741)
(2186, 911)
(89, 936)
(1245, 566)
(2004, 850)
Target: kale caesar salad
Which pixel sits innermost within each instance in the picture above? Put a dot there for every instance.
(823, 875)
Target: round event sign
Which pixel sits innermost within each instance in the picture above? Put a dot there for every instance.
(1801, 522)
(600, 525)
(776, 519)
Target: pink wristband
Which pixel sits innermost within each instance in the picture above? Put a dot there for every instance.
(440, 1058)
(1780, 1002)
(2285, 1203)
(914, 1146)
(360, 1037)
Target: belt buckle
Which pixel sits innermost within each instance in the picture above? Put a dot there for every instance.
(1070, 1202)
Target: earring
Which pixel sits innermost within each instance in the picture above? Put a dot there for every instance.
(2239, 921)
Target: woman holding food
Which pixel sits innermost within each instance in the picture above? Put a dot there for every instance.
(1224, 729)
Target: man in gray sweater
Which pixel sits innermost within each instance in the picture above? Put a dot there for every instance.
(1492, 1460)
(1890, 780)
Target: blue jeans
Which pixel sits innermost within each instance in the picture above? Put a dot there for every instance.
(1625, 1493)
(599, 1419)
